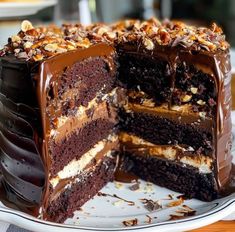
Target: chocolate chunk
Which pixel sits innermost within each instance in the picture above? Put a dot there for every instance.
(134, 187)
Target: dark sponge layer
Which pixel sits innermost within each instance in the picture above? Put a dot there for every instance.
(159, 130)
(165, 84)
(172, 175)
(72, 199)
(186, 77)
(147, 74)
(89, 77)
(78, 143)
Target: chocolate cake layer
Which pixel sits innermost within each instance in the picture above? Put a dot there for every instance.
(77, 143)
(160, 130)
(177, 177)
(90, 158)
(74, 197)
(81, 83)
(177, 85)
(147, 74)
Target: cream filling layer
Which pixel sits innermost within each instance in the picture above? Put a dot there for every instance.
(76, 167)
(81, 111)
(134, 143)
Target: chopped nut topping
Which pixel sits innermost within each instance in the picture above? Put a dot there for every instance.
(202, 115)
(186, 98)
(22, 55)
(201, 102)
(28, 44)
(151, 32)
(102, 30)
(194, 90)
(38, 57)
(51, 47)
(15, 38)
(148, 43)
(26, 26)
(61, 50)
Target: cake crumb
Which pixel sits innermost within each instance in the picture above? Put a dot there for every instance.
(131, 222)
(149, 219)
(176, 202)
(176, 216)
(118, 185)
(118, 203)
(148, 188)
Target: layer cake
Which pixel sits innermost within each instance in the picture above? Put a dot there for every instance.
(81, 103)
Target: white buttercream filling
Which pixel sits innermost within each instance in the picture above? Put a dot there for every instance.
(201, 162)
(76, 167)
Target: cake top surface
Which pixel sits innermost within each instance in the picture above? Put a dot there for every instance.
(38, 43)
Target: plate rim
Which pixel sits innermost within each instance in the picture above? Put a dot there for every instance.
(226, 207)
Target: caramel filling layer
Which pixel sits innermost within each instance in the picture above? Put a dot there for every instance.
(179, 114)
(66, 125)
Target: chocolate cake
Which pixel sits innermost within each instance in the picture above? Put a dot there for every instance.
(81, 103)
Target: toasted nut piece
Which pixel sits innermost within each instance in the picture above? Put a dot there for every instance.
(131, 222)
(26, 25)
(17, 50)
(15, 45)
(38, 57)
(61, 50)
(175, 203)
(201, 102)
(111, 35)
(202, 115)
(148, 43)
(70, 47)
(194, 90)
(28, 44)
(102, 30)
(186, 98)
(22, 55)
(51, 47)
(15, 38)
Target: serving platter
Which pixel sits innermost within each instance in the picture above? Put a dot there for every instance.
(17, 9)
(129, 207)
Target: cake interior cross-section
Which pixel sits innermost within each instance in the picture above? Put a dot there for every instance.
(80, 104)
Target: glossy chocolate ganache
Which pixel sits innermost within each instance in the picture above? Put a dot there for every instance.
(35, 70)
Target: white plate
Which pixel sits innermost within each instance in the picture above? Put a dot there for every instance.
(17, 9)
(105, 213)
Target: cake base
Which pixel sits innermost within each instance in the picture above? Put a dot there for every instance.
(80, 192)
(168, 174)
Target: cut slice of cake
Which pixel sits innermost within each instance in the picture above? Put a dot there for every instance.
(176, 121)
